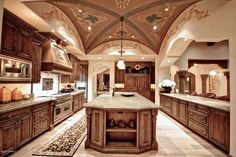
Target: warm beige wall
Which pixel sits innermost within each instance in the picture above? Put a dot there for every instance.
(200, 50)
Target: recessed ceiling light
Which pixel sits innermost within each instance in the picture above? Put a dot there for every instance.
(142, 57)
(53, 30)
(154, 27)
(110, 37)
(185, 39)
(32, 14)
(89, 28)
(168, 61)
(166, 9)
(65, 40)
(99, 57)
(60, 28)
(80, 10)
(132, 36)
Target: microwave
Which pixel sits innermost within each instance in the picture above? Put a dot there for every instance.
(14, 69)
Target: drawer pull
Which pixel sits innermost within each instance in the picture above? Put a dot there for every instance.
(191, 113)
(201, 118)
(41, 115)
(9, 116)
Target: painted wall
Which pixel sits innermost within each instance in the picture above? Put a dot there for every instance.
(200, 50)
(24, 88)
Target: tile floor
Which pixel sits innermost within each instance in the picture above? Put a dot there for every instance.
(174, 141)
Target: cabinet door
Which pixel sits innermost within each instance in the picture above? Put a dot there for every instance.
(119, 75)
(73, 63)
(97, 126)
(175, 108)
(25, 129)
(9, 38)
(36, 53)
(145, 129)
(219, 128)
(76, 103)
(77, 73)
(182, 112)
(7, 137)
(131, 83)
(143, 86)
(24, 43)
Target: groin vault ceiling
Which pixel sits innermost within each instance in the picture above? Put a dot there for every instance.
(98, 21)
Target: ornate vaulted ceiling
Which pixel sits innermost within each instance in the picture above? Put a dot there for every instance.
(98, 21)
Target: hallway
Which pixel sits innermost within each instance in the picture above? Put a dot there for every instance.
(174, 140)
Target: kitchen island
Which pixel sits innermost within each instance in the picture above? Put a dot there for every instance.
(118, 124)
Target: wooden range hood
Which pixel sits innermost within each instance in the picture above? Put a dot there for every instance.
(54, 56)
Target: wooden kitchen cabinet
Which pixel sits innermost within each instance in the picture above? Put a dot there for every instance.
(20, 126)
(131, 83)
(219, 128)
(7, 137)
(25, 130)
(144, 86)
(16, 36)
(78, 101)
(119, 75)
(183, 112)
(175, 108)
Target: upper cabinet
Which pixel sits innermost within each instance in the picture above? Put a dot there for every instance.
(119, 75)
(16, 36)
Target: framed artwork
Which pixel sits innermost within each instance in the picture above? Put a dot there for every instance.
(47, 84)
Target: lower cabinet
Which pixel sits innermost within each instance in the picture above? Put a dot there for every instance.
(78, 101)
(8, 135)
(20, 126)
(24, 130)
(210, 123)
(219, 128)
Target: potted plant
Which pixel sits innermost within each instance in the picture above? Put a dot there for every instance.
(167, 85)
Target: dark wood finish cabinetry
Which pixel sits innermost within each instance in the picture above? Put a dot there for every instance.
(219, 128)
(210, 123)
(16, 36)
(20, 126)
(146, 125)
(119, 75)
(78, 102)
(97, 128)
(75, 63)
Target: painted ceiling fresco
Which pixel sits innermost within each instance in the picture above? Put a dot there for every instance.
(145, 21)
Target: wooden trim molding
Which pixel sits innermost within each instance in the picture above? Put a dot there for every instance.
(222, 63)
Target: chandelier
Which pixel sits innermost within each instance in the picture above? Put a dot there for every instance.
(121, 63)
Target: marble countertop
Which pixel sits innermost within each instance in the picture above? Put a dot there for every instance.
(77, 92)
(23, 104)
(136, 102)
(209, 102)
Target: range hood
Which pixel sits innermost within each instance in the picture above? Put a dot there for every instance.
(55, 59)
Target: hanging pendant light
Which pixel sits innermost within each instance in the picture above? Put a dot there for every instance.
(121, 63)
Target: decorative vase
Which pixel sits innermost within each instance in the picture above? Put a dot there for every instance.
(167, 89)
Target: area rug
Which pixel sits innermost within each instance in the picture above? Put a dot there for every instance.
(66, 143)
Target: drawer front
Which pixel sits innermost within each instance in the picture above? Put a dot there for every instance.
(203, 109)
(167, 103)
(40, 107)
(40, 128)
(192, 106)
(15, 114)
(199, 117)
(40, 116)
(198, 128)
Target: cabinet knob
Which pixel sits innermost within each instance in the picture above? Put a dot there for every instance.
(9, 116)
(41, 115)
(201, 118)
(191, 113)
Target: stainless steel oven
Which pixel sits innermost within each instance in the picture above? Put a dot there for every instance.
(13, 69)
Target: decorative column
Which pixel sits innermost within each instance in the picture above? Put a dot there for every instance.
(182, 80)
(226, 73)
(88, 140)
(154, 122)
(204, 82)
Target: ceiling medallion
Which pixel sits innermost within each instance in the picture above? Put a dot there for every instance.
(122, 3)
